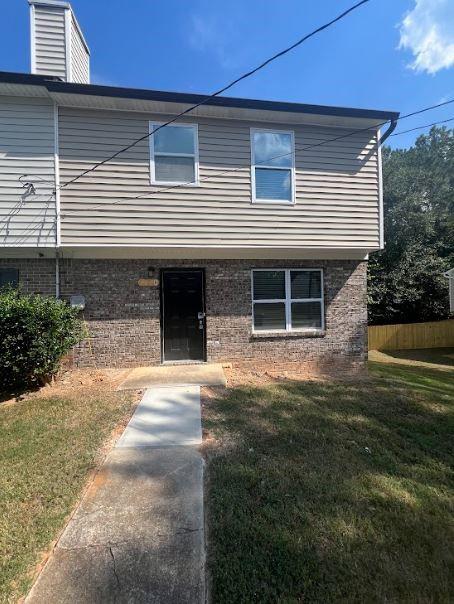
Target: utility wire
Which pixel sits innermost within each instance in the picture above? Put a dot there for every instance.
(238, 168)
(421, 127)
(242, 167)
(220, 91)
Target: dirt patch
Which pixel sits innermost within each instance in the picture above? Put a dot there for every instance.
(73, 383)
(241, 376)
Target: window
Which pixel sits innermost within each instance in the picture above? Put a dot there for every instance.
(174, 154)
(287, 299)
(9, 276)
(272, 170)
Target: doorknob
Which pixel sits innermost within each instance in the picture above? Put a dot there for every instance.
(201, 315)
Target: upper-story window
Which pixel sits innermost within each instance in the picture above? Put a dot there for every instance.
(174, 154)
(273, 167)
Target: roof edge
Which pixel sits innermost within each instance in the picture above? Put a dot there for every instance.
(55, 84)
(54, 3)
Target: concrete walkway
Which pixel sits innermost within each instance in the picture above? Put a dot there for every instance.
(137, 535)
(203, 374)
(165, 416)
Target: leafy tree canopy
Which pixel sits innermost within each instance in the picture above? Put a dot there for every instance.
(406, 282)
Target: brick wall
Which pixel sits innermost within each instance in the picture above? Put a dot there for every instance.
(123, 318)
(36, 275)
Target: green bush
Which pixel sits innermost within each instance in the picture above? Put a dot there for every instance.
(35, 332)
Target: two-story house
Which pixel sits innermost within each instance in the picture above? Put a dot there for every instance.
(239, 234)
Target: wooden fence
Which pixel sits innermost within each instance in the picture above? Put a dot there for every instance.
(433, 334)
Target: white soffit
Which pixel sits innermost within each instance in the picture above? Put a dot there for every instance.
(7, 89)
(211, 111)
(150, 252)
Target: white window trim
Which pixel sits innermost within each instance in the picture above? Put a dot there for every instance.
(152, 125)
(254, 198)
(288, 302)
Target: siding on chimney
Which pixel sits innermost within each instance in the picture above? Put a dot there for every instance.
(80, 66)
(50, 41)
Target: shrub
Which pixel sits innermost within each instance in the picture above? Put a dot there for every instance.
(35, 332)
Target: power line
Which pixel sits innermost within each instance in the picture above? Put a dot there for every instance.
(221, 90)
(30, 227)
(238, 168)
(401, 117)
(425, 126)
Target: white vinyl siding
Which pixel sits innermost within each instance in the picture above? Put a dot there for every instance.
(80, 66)
(27, 216)
(336, 188)
(174, 154)
(50, 41)
(287, 300)
(273, 166)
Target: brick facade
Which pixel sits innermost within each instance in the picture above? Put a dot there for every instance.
(123, 319)
(36, 275)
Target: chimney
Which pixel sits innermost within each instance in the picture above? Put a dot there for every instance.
(58, 47)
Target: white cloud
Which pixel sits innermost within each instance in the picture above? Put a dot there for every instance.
(428, 32)
(207, 33)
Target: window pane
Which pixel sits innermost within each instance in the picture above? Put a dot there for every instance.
(272, 149)
(9, 276)
(306, 284)
(174, 169)
(269, 316)
(273, 184)
(174, 139)
(269, 285)
(306, 315)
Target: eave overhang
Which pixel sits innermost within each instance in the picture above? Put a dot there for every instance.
(155, 101)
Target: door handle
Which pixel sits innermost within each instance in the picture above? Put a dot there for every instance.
(201, 315)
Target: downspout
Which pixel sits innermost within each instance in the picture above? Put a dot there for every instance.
(57, 275)
(57, 202)
(380, 141)
(391, 128)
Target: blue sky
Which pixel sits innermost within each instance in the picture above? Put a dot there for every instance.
(389, 54)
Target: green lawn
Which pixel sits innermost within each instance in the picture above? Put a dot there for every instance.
(47, 447)
(325, 492)
(441, 356)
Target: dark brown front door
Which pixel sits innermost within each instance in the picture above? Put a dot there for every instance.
(183, 315)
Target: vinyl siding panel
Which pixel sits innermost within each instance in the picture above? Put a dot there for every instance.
(50, 49)
(337, 194)
(26, 147)
(79, 57)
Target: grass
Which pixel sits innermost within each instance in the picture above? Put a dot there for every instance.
(325, 492)
(440, 356)
(47, 448)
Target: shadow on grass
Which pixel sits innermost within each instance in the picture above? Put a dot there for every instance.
(18, 393)
(439, 356)
(334, 492)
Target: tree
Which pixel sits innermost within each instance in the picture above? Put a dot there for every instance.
(406, 282)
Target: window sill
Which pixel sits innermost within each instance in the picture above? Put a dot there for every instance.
(303, 333)
(161, 183)
(280, 202)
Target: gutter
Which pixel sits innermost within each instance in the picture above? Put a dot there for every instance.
(389, 131)
(54, 84)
